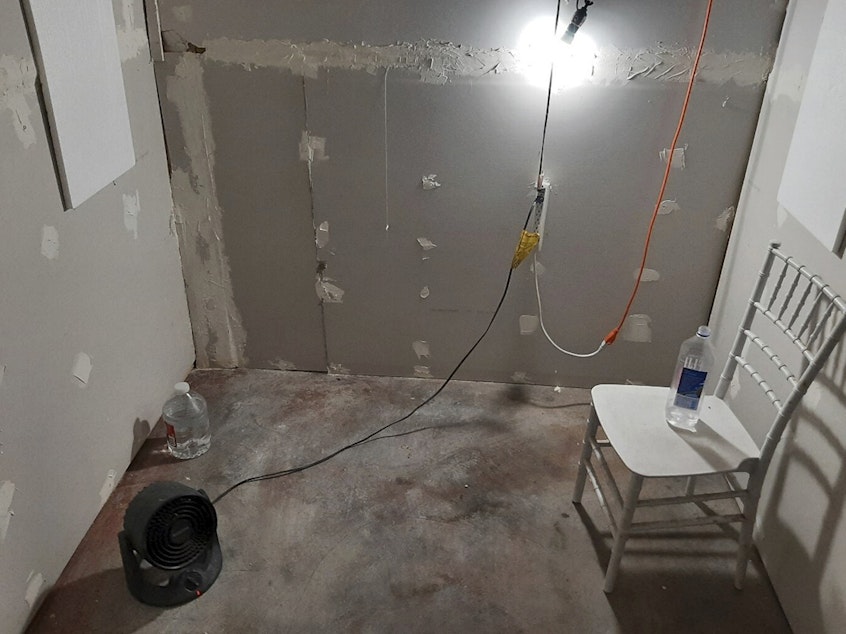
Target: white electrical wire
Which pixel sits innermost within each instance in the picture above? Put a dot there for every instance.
(543, 327)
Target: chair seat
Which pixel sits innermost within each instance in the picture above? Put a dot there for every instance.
(633, 419)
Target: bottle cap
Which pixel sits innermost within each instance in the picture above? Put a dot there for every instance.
(182, 388)
(703, 331)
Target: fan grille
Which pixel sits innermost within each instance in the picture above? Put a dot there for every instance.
(180, 531)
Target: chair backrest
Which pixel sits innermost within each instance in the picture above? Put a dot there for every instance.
(808, 313)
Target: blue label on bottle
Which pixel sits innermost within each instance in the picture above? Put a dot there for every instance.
(690, 388)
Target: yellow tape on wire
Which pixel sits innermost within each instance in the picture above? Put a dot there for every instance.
(528, 241)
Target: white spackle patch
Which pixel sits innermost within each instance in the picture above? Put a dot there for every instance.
(322, 235)
(17, 82)
(219, 339)
(430, 182)
(520, 377)
(7, 492)
(540, 268)
(131, 209)
(34, 585)
(131, 39)
(648, 275)
(312, 148)
(424, 292)
(734, 386)
(328, 292)
(678, 157)
(781, 216)
(108, 486)
(82, 367)
(426, 243)
(281, 364)
(421, 349)
(724, 220)
(338, 368)
(637, 328)
(49, 242)
(422, 372)
(528, 324)
(668, 207)
(183, 13)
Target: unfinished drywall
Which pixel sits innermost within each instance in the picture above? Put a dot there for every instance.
(419, 141)
(94, 327)
(800, 529)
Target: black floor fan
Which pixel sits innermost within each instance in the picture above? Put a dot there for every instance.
(169, 546)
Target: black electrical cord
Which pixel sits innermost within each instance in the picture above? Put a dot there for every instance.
(300, 469)
(548, 102)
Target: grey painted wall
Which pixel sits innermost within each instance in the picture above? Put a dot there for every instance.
(92, 287)
(432, 88)
(801, 525)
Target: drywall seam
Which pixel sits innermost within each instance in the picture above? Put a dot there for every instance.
(17, 82)
(199, 223)
(131, 39)
(439, 62)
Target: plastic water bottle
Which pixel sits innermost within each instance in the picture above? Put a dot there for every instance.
(186, 420)
(684, 402)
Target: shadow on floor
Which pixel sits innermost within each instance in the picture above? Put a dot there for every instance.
(95, 598)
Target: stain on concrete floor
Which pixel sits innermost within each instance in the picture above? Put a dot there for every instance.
(460, 521)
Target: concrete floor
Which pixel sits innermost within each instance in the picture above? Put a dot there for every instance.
(460, 522)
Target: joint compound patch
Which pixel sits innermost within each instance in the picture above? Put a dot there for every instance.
(668, 207)
(537, 267)
(108, 486)
(439, 62)
(82, 366)
(131, 39)
(426, 244)
(338, 368)
(421, 349)
(648, 275)
(677, 157)
(528, 324)
(328, 292)
(424, 292)
(7, 492)
(520, 377)
(312, 148)
(219, 336)
(281, 364)
(131, 209)
(725, 219)
(430, 182)
(637, 328)
(322, 235)
(422, 372)
(17, 82)
(34, 585)
(49, 242)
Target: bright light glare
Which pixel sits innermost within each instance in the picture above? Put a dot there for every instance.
(538, 47)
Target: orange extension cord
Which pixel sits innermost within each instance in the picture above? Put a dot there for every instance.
(611, 336)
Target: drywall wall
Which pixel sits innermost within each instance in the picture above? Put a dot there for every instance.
(94, 327)
(370, 165)
(800, 531)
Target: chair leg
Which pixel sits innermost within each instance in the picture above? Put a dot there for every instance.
(590, 433)
(629, 505)
(744, 547)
